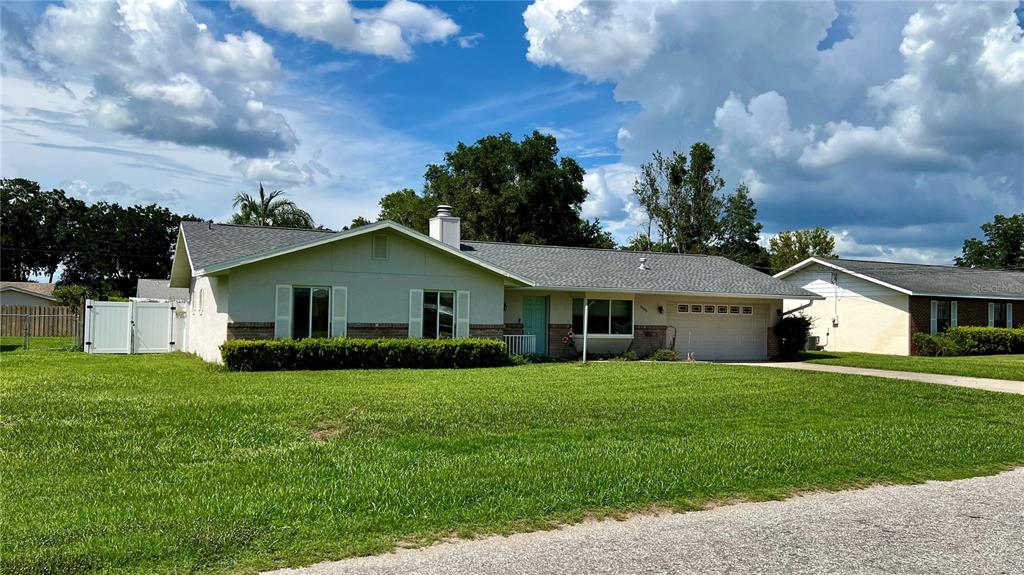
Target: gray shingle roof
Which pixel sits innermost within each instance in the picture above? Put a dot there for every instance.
(210, 244)
(546, 266)
(586, 268)
(936, 280)
(160, 289)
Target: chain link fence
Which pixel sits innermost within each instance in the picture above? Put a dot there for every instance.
(40, 328)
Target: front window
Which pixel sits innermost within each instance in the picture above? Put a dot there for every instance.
(999, 315)
(942, 316)
(310, 312)
(605, 316)
(438, 314)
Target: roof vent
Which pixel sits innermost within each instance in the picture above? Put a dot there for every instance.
(444, 210)
(643, 264)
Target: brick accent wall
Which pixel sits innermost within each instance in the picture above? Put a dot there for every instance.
(487, 330)
(969, 312)
(773, 344)
(648, 338)
(513, 329)
(378, 330)
(557, 349)
(251, 330)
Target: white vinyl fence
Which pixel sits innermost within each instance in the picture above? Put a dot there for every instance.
(134, 327)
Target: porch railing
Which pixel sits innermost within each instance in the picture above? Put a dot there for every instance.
(521, 344)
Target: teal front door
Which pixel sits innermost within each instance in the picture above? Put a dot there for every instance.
(535, 321)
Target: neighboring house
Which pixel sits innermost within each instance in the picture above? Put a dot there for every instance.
(385, 280)
(877, 307)
(27, 293)
(160, 290)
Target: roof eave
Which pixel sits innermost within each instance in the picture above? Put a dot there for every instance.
(808, 296)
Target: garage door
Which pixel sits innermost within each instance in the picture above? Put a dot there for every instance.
(720, 331)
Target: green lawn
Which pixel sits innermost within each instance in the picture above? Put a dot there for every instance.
(994, 366)
(141, 464)
(17, 343)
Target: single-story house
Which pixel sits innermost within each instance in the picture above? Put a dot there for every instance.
(877, 307)
(27, 293)
(385, 280)
(160, 290)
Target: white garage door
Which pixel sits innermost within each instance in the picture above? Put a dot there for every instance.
(720, 331)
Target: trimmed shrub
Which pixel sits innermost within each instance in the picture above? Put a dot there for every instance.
(936, 345)
(987, 340)
(530, 358)
(664, 354)
(351, 353)
(792, 331)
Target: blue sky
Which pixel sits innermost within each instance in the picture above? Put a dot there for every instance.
(897, 126)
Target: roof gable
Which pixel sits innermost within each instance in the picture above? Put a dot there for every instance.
(927, 280)
(213, 248)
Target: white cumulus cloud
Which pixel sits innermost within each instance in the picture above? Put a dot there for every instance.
(390, 30)
(157, 74)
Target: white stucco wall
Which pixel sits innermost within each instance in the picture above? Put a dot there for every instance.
(869, 317)
(208, 316)
(11, 297)
(378, 290)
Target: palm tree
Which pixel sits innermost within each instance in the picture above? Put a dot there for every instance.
(270, 210)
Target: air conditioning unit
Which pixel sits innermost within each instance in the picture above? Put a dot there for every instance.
(813, 343)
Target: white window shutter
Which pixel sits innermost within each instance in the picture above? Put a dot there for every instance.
(339, 311)
(1009, 315)
(991, 314)
(462, 314)
(283, 312)
(415, 313)
(935, 317)
(952, 313)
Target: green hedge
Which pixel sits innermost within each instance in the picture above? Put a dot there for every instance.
(346, 353)
(971, 341)
(987, 340)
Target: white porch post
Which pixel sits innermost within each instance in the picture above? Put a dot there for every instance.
(586, 314)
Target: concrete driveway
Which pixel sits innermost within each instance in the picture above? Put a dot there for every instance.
(1003, 385)
(969, 526)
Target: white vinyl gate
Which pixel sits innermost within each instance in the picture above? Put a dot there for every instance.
(132, 327)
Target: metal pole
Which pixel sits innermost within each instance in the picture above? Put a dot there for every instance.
(586, 314)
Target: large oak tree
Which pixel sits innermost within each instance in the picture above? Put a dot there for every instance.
(504, 191)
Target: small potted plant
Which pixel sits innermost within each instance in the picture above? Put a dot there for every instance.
(569, 339)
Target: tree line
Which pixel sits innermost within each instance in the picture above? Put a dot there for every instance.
(504, 190)
(103, 247)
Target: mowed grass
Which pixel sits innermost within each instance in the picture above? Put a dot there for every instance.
(991, 366)
(163, 464)
(17, 343)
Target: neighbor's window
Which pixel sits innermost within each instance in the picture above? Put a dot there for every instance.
(942, 316)
(438, 314)
(310, 312)
(606, 317)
